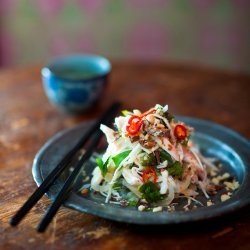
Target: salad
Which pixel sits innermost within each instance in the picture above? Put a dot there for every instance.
(150, 161)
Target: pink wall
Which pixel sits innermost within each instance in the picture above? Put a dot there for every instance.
(197, 31)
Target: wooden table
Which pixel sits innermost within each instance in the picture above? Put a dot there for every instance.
(27, 121)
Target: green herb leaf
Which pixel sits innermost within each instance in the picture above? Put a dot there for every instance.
(175, 169)
(165, 156)
(185, 142)
(125, 112)
(169, 117)
(120, 157)
(150, 192)
(103, 166)
(132, 203)
(148, 160)
(117, 186)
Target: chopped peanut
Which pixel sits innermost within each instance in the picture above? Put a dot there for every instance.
(157, 209)
(141, 208)
(209, 203)
(224, 197)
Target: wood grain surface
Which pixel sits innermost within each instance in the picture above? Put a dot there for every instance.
(28, 120)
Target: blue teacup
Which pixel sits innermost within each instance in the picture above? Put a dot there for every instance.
(75, 83)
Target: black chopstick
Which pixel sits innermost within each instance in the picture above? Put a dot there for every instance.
(50, 179)
(67, 187)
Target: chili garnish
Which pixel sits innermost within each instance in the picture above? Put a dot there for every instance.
(150, 111)
(134, 125)
(148, 173)
(180, 132)
(135, 122)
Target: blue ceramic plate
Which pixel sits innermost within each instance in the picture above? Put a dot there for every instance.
(232, 150)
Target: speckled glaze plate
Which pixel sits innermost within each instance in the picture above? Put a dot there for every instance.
(214, 140)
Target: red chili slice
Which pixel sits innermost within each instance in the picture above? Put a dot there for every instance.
(134, 122)
(148, 173)
(134, 119)
(134, 125)
(180, 132)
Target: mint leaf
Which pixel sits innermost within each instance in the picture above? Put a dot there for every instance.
(103, 166)
(120, 157)
(165, 156)
(117, 160)
(150, 192)
(175, 169)
(148, 160)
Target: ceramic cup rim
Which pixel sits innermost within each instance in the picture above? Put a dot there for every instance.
(47, 70)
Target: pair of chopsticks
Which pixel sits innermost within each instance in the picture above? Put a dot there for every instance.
(96, 135)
